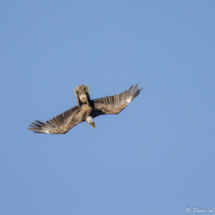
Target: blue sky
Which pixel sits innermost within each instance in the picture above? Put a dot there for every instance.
(155, 157)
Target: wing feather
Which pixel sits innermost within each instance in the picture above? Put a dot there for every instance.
(59, 124)
(115, 104)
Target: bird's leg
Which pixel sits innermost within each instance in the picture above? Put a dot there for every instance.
(78, 99)
(87, 96)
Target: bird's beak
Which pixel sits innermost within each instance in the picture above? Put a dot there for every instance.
(93, 124)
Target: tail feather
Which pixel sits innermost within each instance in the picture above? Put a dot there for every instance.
(80, 89)
(82, 93)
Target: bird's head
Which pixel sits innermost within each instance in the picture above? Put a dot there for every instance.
(90, 121)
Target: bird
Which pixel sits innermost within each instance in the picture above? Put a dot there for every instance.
(86, 110)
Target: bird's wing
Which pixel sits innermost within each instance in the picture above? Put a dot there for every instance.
(114, 104)
(59, 124)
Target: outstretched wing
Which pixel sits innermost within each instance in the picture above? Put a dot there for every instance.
(59, 124)
(114, 104)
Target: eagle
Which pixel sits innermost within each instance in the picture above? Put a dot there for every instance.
(86, 110)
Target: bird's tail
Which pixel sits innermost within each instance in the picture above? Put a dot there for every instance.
(81, 88)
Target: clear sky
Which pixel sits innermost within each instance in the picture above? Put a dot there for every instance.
(155, 157)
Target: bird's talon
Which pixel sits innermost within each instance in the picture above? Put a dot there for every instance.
(76, 92)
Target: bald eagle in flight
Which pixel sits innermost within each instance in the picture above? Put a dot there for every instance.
(86, 110)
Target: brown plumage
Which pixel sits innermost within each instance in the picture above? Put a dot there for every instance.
(86, 110)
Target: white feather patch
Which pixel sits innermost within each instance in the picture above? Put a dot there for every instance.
(128, 99)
